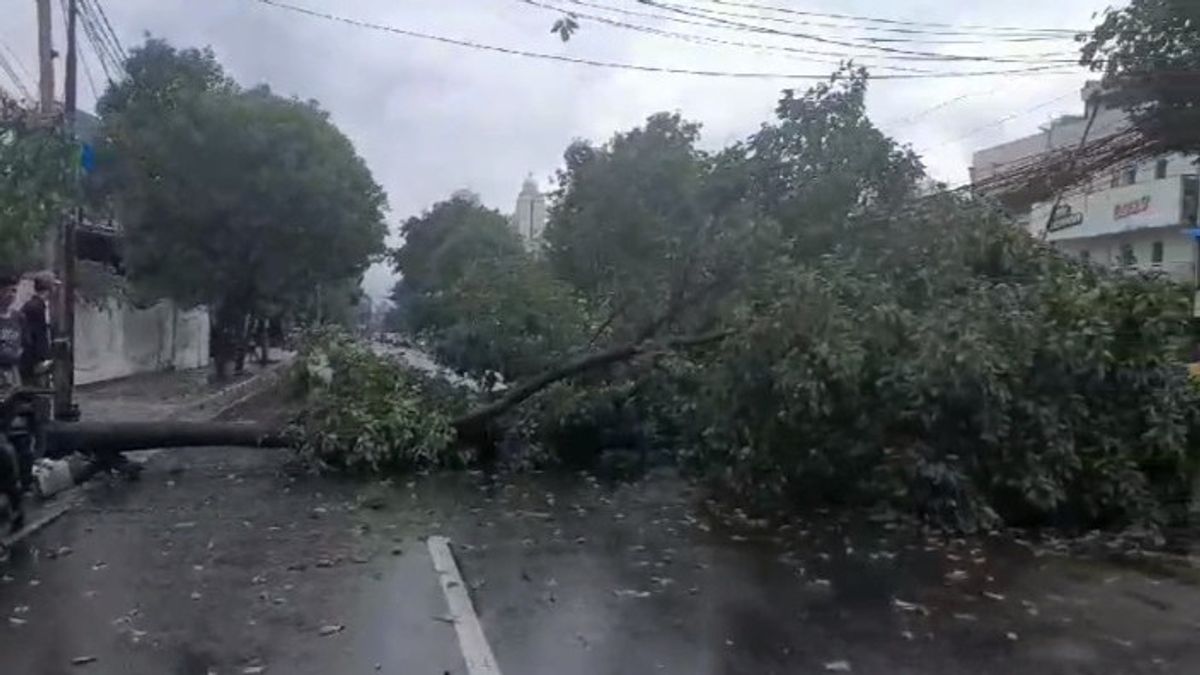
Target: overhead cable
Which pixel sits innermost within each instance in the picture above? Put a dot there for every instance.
(1043, 70)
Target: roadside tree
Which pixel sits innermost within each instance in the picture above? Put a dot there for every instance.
(239, 200)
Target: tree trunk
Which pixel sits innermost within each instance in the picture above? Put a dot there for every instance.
(64, 438)
(241, 344)
(471, 425)
(264, 341)
(228, 334)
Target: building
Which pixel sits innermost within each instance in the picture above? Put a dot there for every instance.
(1137, 216)
(529, 217)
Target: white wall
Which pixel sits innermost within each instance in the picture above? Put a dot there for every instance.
(116, 340)
(1179, 250)
(1147, 203)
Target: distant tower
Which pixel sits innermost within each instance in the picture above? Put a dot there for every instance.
(529, 219)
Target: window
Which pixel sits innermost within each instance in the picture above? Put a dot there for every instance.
(1127, 259)
(1115, 179)
(1160, 169)
(1129, 175)
(1156, 253)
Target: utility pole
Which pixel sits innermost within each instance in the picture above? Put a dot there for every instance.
(64, 375)
(45, 58)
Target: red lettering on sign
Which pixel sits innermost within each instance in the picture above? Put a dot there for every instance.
(1131, 208)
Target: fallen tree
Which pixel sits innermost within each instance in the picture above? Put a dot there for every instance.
(794, 321)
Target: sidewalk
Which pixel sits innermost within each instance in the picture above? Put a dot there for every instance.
(180, 395)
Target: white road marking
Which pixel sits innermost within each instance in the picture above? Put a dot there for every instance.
(474, 646)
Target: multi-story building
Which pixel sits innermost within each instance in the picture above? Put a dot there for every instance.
(529, 217)
(1140, 215)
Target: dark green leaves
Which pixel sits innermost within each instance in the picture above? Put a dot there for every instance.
(565, 27)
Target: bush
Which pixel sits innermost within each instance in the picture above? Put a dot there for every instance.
(364, 412)
(961, 371)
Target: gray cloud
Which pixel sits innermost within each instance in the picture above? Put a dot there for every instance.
(431, 118)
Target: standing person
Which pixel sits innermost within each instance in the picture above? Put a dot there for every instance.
(36, 314)
(15, 474)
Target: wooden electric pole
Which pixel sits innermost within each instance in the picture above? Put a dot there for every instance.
(64, 374)
(45, 59)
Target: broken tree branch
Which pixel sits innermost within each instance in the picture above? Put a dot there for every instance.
(473, 420)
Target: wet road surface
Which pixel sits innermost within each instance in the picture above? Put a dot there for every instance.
(218, 562)
(224, 561)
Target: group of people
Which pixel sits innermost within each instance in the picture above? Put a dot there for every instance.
(25, 343)
(25, 340)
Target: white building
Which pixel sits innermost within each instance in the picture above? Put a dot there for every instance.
(529, 218)
(1137, 215)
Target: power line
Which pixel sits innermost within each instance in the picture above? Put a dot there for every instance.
(7, 67)
(16, 58)
(995, 123)
(906, 34)
(87, 71)
(705, 21)
(899, 52)
(907, 120)
(705, 39)
(105, 47)
(109, 62)
(112, 34)
(597, 63)
(786, 49)
(890, 22)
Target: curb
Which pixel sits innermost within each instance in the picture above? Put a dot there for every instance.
(216, 404)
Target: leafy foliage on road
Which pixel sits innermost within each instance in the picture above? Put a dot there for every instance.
(366, 413)
(803, 319)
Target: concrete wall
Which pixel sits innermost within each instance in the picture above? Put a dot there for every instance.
(1179, 250)
(1148, 203)
(116, 340)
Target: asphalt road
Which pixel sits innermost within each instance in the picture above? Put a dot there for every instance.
(228, 561)
(219, 562)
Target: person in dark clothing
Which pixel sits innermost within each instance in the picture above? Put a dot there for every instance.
(14, 461)
(36, 314)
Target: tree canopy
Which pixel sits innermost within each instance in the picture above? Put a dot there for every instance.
(34, 187)
(237, 199)
(802, 318)
(488, 307)
(1149, 54)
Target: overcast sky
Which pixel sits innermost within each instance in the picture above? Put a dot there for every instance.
(431, 118)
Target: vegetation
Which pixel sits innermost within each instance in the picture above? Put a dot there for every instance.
(489, 309)
(366, 413)
(795, 320)
(240, 200)
(34, 188)
(1149, 52)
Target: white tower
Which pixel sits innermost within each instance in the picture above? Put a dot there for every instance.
(529, 219)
